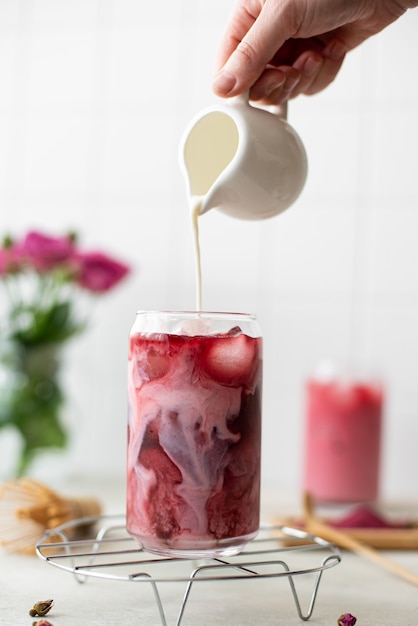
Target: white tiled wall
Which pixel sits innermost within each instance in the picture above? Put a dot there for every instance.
(94, 96)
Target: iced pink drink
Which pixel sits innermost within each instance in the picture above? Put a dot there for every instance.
(343, 437)
(194, 434)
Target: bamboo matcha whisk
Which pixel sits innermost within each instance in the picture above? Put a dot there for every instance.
(28, 508)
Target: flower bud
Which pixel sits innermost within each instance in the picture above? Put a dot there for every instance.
(346, 619)
(41, 608)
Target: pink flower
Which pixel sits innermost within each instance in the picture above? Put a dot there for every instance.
(98, 272)
(346, 619)
(10, 260)
(45, 252)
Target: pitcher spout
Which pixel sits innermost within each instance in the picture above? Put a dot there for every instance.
(198, 205)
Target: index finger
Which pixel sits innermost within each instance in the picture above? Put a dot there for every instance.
(240, 22)
(251, 40)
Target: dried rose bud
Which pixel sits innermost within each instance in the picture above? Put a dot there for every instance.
(42, 622)
(41, 608)
(346, 619)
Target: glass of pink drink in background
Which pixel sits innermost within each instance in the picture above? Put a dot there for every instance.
(343, 439)
(194, 432)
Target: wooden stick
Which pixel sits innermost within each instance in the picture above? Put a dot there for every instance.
(317, 527)
(378, 538)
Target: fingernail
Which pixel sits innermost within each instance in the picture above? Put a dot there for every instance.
(311, 66)
(224, 83)
(290, 84)
(287, 89)
(336, 51)
(258, 93)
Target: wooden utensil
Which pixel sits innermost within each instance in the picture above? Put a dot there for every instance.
(28, 508)
(378, 538)
(341, 539)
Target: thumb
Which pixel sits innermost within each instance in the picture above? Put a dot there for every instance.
(249, 58)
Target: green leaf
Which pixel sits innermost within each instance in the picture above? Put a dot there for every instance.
(52, 325)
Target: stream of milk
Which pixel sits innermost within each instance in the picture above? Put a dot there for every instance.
(195, 204)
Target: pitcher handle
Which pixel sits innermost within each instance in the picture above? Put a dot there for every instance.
(278, 109)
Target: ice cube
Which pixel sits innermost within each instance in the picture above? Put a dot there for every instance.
(158, 362)
(193, 327)
(150, 358)
(230, 360)
(234, 332)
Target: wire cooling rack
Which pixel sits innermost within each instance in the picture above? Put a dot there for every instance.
(109, 552)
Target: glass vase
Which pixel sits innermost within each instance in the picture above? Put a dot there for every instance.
(31, 399)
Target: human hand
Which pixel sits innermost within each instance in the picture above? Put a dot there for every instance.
(278, 49)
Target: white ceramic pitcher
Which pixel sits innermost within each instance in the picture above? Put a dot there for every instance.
(243, 160)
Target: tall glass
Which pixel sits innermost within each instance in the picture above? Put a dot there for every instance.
(194, 432)
(343, 437)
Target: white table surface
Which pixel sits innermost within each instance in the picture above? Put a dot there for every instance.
(375, 596)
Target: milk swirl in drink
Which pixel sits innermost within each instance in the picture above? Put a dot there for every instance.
(194, 432)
